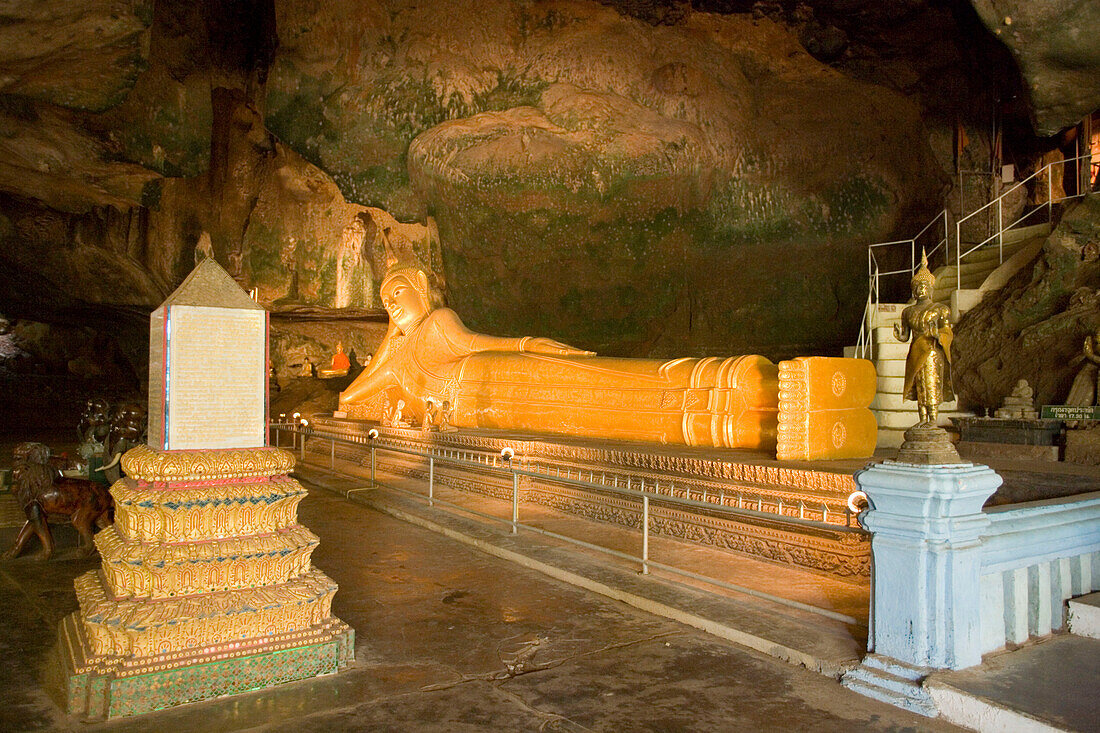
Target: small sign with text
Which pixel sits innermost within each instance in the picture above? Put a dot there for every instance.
(1071, 412)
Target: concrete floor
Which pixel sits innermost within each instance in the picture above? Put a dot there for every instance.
(823, 644)
(1055, 680)
(451, 639)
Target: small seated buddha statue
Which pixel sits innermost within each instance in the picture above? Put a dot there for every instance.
(340, 364)
(429, 357)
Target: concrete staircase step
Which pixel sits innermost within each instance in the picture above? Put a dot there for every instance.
(905, 419)
(890, 367)
(891, 682)
(883, 335)
(1084, 615)
(890, 437)
(890, 401)
(1030, 231)
(965, 299)
(979, 265)
(891, 351)
(970, 278)
(992, 265)
(989, 252)
(890, 384)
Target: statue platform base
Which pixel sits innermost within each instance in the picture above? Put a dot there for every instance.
(98, 686)
(205, 587)
(791, 513)
(928, 445)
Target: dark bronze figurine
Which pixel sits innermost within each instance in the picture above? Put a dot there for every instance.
(44, 495)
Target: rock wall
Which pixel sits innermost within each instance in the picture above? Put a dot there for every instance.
(640, 177)
(1035, 326)
(1055, 44)
(633, 188)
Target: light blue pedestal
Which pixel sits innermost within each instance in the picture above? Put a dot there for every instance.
(927, 523)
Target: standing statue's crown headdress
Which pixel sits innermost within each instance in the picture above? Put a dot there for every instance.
(923, 274)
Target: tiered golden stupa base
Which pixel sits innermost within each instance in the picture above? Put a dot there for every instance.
(205, 588)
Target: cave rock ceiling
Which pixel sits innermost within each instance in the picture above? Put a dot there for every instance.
(637, 177)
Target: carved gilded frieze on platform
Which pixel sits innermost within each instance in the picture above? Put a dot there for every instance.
(145, 464)
(840, 552)
(204, 510)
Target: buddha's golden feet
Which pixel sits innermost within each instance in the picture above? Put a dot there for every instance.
(823, 409)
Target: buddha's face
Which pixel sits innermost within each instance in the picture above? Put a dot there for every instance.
(402, 301)
(922, 291)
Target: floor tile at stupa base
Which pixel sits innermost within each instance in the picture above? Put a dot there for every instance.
(99, 686)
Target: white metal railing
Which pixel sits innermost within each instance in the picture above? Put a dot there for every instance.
(875, 252)
(997, 205)
(875, 274)
(504, 463)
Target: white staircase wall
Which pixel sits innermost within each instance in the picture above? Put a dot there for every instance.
(988, 268)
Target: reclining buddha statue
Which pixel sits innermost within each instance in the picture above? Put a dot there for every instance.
(810, 407)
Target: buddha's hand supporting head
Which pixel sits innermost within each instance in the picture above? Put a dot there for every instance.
(550, 346)
(406, 297)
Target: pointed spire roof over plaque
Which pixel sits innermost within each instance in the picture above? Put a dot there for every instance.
(208, 365)
(211, 286)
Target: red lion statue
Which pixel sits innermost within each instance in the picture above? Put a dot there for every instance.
(43, 495)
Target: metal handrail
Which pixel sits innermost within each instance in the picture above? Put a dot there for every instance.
(865, 342)
(875, 273)
(504, 464)
(999, 203)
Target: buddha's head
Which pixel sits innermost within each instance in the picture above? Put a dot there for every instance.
(408, 295)
(923, 280)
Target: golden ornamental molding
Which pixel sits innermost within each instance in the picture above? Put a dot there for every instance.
(146, 464)
(143, 628)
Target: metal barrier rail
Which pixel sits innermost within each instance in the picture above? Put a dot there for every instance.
(875, 274)
(609, 481)
(998, 235)
(504, 464)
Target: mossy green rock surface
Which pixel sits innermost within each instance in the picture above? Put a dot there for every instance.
(699, 188)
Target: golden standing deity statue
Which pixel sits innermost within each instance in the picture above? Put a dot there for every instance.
(428, 356)
(928, 364)
(1085, 390)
